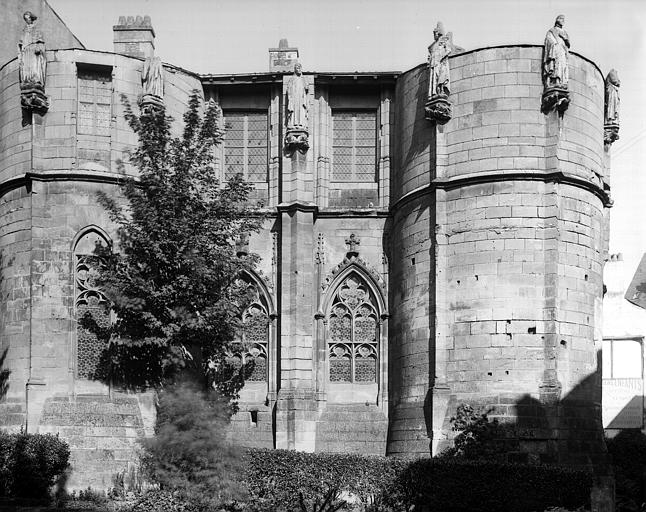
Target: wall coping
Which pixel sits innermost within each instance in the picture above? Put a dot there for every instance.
(171, 67)
(466, 52)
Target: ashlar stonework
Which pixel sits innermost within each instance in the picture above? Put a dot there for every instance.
(405, 267)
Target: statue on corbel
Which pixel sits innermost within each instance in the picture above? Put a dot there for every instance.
(556, 49)
(152, 82)
(611, 113)
(32, 67)
(297, 132)
(438, 107)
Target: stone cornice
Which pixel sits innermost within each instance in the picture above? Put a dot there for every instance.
(25, 180)
(296, 206)
(490, 177)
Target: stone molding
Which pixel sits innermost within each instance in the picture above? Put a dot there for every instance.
(490, 177)
(357, 261)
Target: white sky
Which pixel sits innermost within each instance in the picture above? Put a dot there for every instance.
(232, 36)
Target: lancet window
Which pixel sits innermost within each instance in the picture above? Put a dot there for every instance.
(353, 333)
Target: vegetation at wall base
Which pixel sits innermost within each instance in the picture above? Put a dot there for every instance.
(31, 464)
(275, 478)
(628, 452)
(174, 282)
(189, 456)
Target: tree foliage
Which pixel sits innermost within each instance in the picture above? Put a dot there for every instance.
(173, 280)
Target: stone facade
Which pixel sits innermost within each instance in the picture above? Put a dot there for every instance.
(406, 266)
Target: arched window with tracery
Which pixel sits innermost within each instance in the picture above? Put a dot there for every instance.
(251, 347)
(90, 304)
(353, 346)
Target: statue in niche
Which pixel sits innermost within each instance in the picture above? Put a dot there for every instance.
(152, 78)
(438, 108)
(611, 115)
(439, 82)
(555, 68)
(32, 65)
(297, 135)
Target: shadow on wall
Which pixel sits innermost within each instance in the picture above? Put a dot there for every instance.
(4, 375)
(550, 429)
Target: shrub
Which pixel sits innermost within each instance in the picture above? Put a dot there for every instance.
(189, 454)
(162, 501)
(503, 487)
(477, 437)
(30, 464)
(628, 452)
(276, 477)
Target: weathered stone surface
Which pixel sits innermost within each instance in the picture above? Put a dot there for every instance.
(476, 279)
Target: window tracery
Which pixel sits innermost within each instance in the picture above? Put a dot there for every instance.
(250, 350)
(353, 333)
(91, 305)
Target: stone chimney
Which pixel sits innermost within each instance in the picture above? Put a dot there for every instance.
(134, 36)
(283, 58)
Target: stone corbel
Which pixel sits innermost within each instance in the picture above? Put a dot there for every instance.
(610, 133)
(33, 98)
(297, 139)
(438, 108)
(555, 98)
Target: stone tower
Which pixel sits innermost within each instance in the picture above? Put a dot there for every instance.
(497, 250)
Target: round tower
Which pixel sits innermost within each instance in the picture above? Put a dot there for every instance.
(497, 256)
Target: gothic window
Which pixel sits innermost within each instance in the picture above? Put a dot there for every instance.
(94, 117)
(90, 304)
(245, 145)
(353, 333)
(354, 146)
(250, 350)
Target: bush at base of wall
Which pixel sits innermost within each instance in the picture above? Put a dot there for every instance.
(30, 464)
(276, 477)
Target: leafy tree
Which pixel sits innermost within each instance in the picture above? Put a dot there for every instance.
(173, 281)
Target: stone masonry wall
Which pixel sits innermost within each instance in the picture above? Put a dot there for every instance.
(42, 215)
(521, 254)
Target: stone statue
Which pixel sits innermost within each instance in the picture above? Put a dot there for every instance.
(297, 99)
(152, 78)
(612, 97)
(438, 108)
(31, 54)
(438, 59)
(555, 55)
(611, 114)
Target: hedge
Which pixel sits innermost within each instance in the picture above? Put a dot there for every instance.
(276, 477)
(30, 464)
